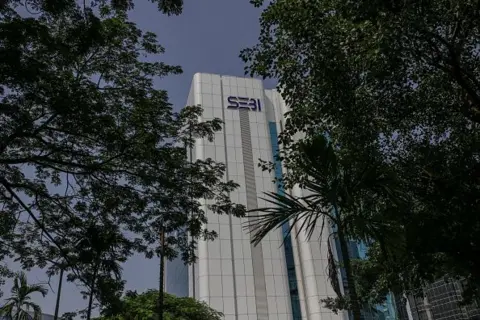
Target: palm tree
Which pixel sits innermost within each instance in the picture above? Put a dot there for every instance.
(18, 306)
(355, 198)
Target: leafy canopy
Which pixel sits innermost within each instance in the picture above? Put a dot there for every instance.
(143, 306)
(345, 198)
(399, 79)
(93, 159)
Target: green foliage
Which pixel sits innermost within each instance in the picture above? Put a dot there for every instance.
(395, 84)
(338, 189)
(19, 303)
(342, 195)
(93, 159)
(55, 7)
(143, 306)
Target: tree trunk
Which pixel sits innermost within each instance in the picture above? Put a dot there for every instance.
(194, 289)
(59, 293)
(352, 292)
(92, 291)
(162, 276)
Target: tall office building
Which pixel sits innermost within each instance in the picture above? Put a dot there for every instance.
(246, 282)
(272, 281)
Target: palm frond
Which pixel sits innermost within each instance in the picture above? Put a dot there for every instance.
(12, 300)
(22, 315)
(37, 311)
(20, 298)
(22, 278)
(318, 161)
(320, 195)
(285, 208)
(16, 285)
(112, 267)
(20, 285)
(36, 288)
(7, 309)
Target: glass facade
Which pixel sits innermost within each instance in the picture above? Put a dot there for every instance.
(292, 277)
(442, 301)
(176, 277)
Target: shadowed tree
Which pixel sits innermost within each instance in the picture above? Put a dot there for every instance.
(399, 80)
(86, 130)
(349, 199)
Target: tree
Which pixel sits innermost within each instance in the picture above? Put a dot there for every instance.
(75, 118)
(347, 196)
(88, 142)
(175, 217)
(143, 306)
(18, 305)
(100, 253)
(169, 7)
(400, 80)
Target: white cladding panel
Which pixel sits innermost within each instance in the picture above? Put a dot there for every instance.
(227, 280)
(245, 282)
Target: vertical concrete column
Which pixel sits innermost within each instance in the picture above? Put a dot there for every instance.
(308, 270)
(203, 287)
(251, 190)
(300, 278)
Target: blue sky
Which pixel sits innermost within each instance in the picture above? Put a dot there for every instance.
(207, 37)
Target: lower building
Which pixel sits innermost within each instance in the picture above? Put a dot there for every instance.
(440, 300)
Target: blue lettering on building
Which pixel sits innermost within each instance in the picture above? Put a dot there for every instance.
(244, 103)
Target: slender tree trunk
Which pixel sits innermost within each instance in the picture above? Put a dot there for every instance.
(59, 293)
(352, 292)
(162, 275)
(92, 291)
(194, 289)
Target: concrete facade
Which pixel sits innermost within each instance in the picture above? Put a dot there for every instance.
(232, 276)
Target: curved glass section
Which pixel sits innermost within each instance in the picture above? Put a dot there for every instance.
(292, 277)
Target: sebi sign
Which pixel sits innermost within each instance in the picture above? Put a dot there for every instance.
(244, 103)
